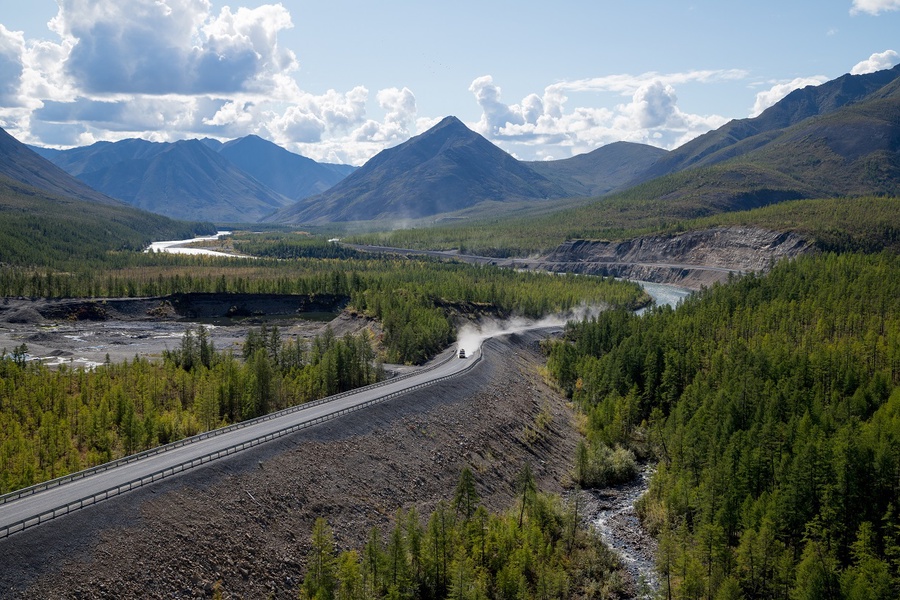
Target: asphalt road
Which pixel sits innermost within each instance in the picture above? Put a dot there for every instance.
(75, 493)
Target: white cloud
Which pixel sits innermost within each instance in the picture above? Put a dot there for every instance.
(399, 106)
(768, 97)
(653, 104)
(650, 116)
(12, 49)
(876, 62)
(172, 46)
(874, 7)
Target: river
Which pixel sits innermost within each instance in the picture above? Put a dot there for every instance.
(663, 294)
(179, 246)
(616, 520)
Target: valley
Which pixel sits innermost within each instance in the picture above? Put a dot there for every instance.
(747, 423)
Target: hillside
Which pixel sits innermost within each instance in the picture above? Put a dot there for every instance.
(291, 175)
(40, 229)
(445, 169)
(20, 164)
(601, 171)
(743, 135)
(182, 180)
(851, 151)
(49, 218)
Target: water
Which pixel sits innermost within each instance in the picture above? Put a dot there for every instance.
(177, 246)
(621, 530)
(662, 294)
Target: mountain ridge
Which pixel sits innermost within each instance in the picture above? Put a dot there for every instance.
(445, 169)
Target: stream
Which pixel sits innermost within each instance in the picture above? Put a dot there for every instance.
(616, 520)
(620, 529)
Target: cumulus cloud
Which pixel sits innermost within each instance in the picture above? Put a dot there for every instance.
(767, 98)
(12, 49)
(310, 116)
(653, 104)
(650, 116)
(876, 62)
(171, 46)
(874, 7)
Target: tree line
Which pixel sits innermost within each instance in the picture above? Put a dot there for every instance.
(57, 421)
(772, 405)
(418, 301)
(537, 549)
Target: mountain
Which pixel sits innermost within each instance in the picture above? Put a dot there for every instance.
(23, 165)
(601, 171)
(48, 217)
(101, 155)
(289, 174)
(182, 180)
(445, 169)
(741, 136)
(850, 150)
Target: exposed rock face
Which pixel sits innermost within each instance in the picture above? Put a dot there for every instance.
(691, 259)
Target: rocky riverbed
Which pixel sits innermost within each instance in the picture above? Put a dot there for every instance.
(618, 524)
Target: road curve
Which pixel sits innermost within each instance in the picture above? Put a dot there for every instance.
(28, 508)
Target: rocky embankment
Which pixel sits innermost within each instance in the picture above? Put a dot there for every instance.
(693, 259)
(242, 524)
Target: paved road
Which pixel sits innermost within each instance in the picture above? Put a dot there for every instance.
(75, 493)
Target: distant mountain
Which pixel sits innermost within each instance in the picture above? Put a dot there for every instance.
(741, 136)
(853, 150)
(48, 217)
(445, 169)
(289, 174)
(182, 180)
(23, 165)
(240, 181)
(601, 171)
(101, 155)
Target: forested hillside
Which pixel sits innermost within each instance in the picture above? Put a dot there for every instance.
(39, 229)
(772, 405)
(57, 421)
(866, 223)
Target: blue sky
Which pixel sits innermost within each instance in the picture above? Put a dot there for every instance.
(341, 80)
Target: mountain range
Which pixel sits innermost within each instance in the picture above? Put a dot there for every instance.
(239, 181)
(49, 217)
(838, 138)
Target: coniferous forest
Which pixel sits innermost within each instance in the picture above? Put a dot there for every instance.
(56, 421)
(772, 407)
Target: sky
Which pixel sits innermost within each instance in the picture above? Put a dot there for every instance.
(340, 80)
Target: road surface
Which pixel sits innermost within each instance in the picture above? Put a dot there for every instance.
(27, 508)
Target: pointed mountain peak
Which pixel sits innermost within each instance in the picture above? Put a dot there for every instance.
(451, 126)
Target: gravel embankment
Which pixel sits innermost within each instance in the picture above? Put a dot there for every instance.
(245, 521)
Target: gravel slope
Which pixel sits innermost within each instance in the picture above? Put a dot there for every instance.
(246, 521)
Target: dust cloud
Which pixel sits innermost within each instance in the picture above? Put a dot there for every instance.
(471, 336)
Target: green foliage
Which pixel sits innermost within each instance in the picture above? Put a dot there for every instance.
(415, 300)
(867, 224)
(548, 555)
(41, 230)
(773, 406)
(863, 223)
(598, 465)
(60, 421)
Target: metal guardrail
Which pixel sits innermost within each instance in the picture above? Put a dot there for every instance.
(92, 499)
(51, 483)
